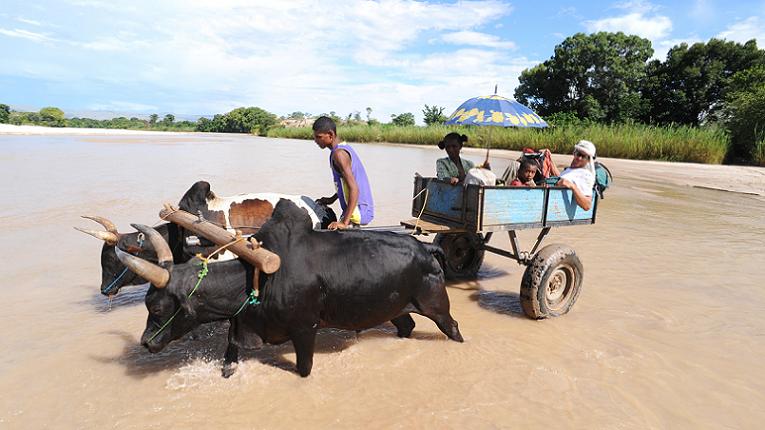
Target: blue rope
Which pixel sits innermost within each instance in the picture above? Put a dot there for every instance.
(114, 282)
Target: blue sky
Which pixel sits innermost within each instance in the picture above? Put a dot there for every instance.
(197, 57)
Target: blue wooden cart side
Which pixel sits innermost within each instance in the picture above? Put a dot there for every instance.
(485, 209)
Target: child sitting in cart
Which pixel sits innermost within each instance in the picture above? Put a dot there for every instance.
(526, 173)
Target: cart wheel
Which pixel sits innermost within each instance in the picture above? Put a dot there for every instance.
(552, 282)
(463, 253)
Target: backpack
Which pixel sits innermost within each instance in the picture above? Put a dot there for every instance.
(603, 178)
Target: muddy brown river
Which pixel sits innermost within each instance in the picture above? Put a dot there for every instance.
(668, 332)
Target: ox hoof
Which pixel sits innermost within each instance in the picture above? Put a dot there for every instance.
(228, 370)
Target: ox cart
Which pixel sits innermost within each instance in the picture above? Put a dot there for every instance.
(465, 218)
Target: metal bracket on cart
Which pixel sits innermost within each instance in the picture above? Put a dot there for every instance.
(522, 257)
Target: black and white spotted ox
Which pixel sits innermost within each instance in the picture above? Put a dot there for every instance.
(351, 280)
(243, 212)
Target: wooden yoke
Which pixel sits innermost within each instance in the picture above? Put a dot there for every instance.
(250, 251)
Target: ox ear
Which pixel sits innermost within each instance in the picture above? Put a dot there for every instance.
(185, 302)
(195, 197)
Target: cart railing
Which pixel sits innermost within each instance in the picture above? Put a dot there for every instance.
(483, 209)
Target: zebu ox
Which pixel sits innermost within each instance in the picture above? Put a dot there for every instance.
(243, 212)
(351, 280)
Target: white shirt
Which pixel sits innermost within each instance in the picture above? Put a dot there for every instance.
(582, 178)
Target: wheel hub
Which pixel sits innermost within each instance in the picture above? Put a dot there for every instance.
(558, 285)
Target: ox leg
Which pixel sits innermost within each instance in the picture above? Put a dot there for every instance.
(435, 305)
(230, 360)
(448, 326)
(404, 324)
(304, 341)
(231, 356)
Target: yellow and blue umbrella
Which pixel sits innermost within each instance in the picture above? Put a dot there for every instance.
(497, 111)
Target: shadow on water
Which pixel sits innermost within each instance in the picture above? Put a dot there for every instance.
(490, 272)
(487, 272)
(500, 302)
(209, 341)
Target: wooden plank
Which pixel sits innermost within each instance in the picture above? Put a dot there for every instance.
(430, 227)
(259, 257)
(563, 207)
(445, 201)
(503, 206)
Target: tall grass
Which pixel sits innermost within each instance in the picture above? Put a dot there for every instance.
(758, 153)
(635, 141)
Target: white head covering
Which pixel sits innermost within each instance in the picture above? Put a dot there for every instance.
(587, 147)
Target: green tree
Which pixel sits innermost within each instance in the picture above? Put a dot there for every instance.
(169, 119)
(153, 119)
(689, 86)
(402, 120)
(369, 115)
(5, 113)
(204, 124)
(744, 115)
(434, 115)
(297, 115)
(52, 116)
(248, 120)
(597, 76)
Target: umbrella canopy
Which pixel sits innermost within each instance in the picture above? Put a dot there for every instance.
(497, 111)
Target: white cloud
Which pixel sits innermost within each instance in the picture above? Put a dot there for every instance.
(28, 35)
(28, 21)
(650, 27)
(641, 6)
(643, 19)
(475, 38)
(702, 10)
(662, 47)
(120, 43)
(745, 30)
(208, 57)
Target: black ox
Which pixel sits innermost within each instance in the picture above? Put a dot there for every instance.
(350, 280)
(245, 212)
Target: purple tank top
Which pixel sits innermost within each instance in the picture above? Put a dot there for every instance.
(365, 204)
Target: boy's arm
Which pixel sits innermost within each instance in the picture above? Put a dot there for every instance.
(343, 161)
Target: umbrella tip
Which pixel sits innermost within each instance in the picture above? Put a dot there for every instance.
(495, 89)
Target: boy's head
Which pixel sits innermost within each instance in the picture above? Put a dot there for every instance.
(527, 170)
(324, 131)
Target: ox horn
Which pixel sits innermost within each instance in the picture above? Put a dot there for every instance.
(108, 225)
(164, 254)
(107, 236)
(158, 276)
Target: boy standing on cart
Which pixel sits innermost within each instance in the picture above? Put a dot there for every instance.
(349, 175)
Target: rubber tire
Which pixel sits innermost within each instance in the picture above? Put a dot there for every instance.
(560, 263)
(457, 264)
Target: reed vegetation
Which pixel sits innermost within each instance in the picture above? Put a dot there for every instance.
(633, 141)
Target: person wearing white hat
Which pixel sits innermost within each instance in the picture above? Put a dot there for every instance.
(579, 177)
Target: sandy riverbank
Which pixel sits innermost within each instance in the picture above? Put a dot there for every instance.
(9, 129)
